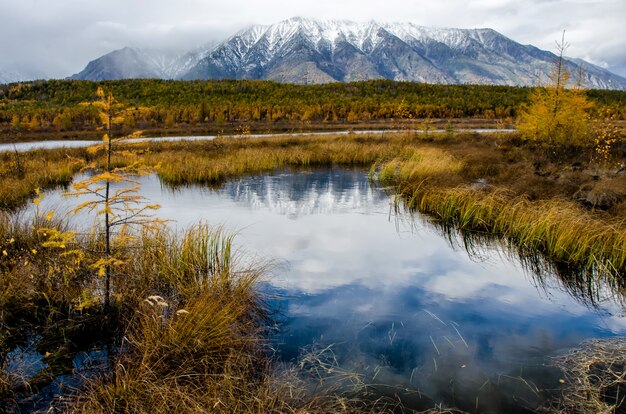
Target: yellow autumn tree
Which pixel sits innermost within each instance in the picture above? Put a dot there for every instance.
(113, 195)
(557, 115)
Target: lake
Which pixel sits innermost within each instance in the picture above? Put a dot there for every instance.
(388, 295)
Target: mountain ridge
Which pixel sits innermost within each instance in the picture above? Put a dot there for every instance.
(300, 50)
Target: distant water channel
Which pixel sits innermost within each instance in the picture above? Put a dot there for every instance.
(389, 295)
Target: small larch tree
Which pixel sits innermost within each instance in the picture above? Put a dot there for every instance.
(114, 196)
(557, 115)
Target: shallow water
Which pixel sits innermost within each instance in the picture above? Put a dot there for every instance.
(389, 296)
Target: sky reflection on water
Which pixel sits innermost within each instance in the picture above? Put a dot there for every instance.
(397, 303)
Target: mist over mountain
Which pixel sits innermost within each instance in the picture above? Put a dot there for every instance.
(302, 51)
(16, 73)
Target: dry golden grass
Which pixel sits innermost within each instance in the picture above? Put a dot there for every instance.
(21, 173)
(213, 162)
(430, 181)
(560, 229)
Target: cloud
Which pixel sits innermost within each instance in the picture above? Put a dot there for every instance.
(61, 37)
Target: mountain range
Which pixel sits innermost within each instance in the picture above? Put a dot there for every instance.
(300, 50)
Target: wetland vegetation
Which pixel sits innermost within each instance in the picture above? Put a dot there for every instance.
(187, 329)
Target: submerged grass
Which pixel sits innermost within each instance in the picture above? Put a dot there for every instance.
(594, 378)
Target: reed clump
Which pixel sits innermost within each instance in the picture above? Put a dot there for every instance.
(51, 302)
(418, 166)
(203, 353)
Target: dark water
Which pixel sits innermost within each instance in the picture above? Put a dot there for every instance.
(390, 297)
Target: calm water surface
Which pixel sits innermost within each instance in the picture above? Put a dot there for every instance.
(389, 295)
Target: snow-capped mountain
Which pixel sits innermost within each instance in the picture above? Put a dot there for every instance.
(302, 50)
(131, 62)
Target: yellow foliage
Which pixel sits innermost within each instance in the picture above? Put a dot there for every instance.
(37, 200)
(136, 134)
(557, 116)
(93, 150)
(119, 207)
(103, 263)
(86, 304)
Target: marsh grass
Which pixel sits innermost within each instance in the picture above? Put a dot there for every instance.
(431, 182)
(418, 167)
(558, 228)
(215, 161)
(592, 287)
(59, 308)
(35, 169)
(198, 355)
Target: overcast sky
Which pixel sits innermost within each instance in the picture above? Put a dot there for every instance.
(59, 37)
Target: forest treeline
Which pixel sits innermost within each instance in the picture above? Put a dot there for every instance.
(65, 105)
